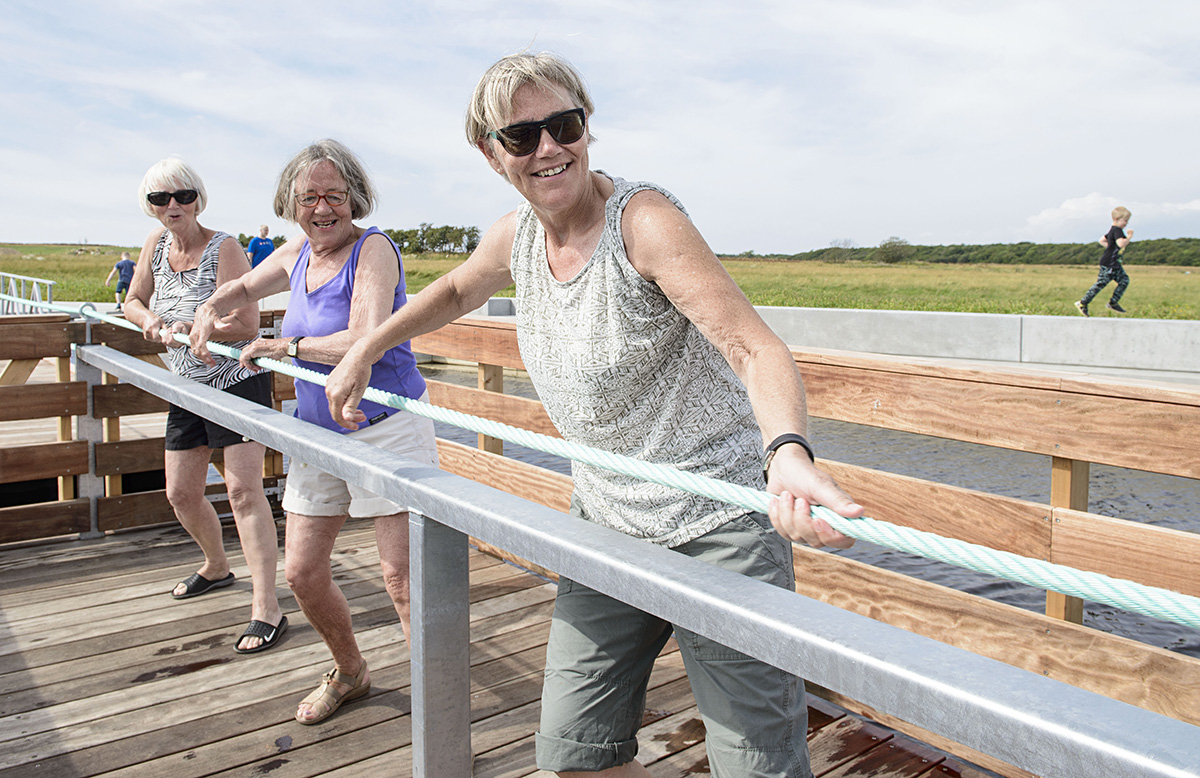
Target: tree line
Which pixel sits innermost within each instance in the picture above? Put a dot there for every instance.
(1173, 251)
(425, 239)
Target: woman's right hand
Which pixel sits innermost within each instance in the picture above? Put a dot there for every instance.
(152, 326)
(346, 384)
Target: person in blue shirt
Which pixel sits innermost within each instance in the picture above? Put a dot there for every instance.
(260, 247)
(124, 272)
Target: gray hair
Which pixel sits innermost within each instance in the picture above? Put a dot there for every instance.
(358, 183)
(492, 102)
(166, 175)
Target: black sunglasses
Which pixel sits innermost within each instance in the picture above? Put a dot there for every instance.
(522, 139)
(183, 197)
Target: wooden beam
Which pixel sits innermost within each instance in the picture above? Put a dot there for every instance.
(38, 401)
(43, 460)
(1068, 489)
(113, 400)
(130, 456)
(44, 520)
(491, 379)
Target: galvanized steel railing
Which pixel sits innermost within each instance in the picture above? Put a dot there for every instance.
(35, 290)
(1038, 724)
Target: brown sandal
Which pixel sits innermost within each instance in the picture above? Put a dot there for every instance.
(328, 695)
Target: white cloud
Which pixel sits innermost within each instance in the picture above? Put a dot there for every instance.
(781, 125)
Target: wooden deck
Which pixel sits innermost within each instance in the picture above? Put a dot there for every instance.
(101, 673)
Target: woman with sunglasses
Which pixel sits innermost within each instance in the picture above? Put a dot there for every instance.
(345, 280)
(181, 265)
(638, 342)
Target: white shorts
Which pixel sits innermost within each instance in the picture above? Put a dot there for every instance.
(311, 492)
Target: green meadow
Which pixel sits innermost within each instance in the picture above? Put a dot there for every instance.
(1156, 291)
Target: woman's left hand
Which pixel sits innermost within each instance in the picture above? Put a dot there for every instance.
(168, 335)
(798, 485)
(272, 348)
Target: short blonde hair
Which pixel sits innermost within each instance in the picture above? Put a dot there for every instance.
(492, 102)
(1120, 212)
(358, 183)
(167, 175)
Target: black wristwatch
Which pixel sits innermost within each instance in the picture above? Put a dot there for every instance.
(293, 344)
(783, 440)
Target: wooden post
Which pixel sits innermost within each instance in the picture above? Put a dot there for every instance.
(66, 483)
(1068, 489)
(113, 484)
(491, 379)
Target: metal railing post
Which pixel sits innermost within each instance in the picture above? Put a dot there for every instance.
(440, 651)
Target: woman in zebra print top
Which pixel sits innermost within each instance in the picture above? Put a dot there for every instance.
(181, 265)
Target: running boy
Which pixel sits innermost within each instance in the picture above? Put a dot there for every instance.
(1114, 244)
(124, 271)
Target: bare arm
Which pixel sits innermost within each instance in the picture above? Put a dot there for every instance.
(141, 289)
(665, 248)
(218, 317)
(108, 280)
(458, 292)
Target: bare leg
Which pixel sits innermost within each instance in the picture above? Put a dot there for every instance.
(391, 538)
(187, 472)
(308, 547)
(256, 528)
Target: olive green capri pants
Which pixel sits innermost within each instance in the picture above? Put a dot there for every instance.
(601, 652)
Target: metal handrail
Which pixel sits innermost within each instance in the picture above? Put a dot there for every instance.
(36, 290)
(1035, 723)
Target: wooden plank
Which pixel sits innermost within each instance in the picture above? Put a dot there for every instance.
(491, 381)
(533, 483)
(474, 340)
(283, 387)
(1152, 678)
(130, 456)
(129, 341)
(133, 510)
(18, 371)
(114, 400)
(34, 341)
(1003, 523)
(37, 401)
(44, 520)
(1068, 489)
(1155, 556)
(43, 460)
(952, 767)
(1154, 437)
(33, 318)
(515, 411)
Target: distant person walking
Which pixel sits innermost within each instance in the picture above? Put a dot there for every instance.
(124, 272)
(1111, 269)
(260, 247)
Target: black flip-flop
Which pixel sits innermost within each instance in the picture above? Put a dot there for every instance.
(195, 585)
(260, 629)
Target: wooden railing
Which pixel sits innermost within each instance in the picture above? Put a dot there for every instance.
(25, 341)
(1064, 416)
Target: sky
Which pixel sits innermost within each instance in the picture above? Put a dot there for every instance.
(783, 125)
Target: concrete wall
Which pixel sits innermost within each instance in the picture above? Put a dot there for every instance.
(1102, 341)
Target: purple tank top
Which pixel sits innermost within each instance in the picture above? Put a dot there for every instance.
(326, 310)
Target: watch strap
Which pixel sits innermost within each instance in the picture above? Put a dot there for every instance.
(783, 440)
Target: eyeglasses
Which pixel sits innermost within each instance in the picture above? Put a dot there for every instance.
(522, 139)
(334, 199)
(183, 197)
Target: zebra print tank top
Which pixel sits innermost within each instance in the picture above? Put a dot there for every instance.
(176, 297)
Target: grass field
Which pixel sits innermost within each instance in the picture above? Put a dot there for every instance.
(1156, 292)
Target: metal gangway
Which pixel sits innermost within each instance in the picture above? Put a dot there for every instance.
(1035, 723)
(35, 290)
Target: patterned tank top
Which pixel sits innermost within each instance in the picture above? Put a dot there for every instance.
(177, 294)
(619, 368)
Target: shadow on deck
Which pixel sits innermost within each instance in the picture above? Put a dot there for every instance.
(101, 673)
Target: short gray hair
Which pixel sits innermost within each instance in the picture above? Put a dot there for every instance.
(492, 102)
(358, 183)
(166, 174)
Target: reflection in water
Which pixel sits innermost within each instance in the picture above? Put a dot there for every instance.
(1165, 501)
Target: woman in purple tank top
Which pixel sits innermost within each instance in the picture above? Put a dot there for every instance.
(345, 280)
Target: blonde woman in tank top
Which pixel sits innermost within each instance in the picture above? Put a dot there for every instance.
(639, 342)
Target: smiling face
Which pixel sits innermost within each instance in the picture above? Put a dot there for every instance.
(555, 175)
(327, 227)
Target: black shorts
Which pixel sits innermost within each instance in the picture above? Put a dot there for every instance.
(186, 430)
(122, 287)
